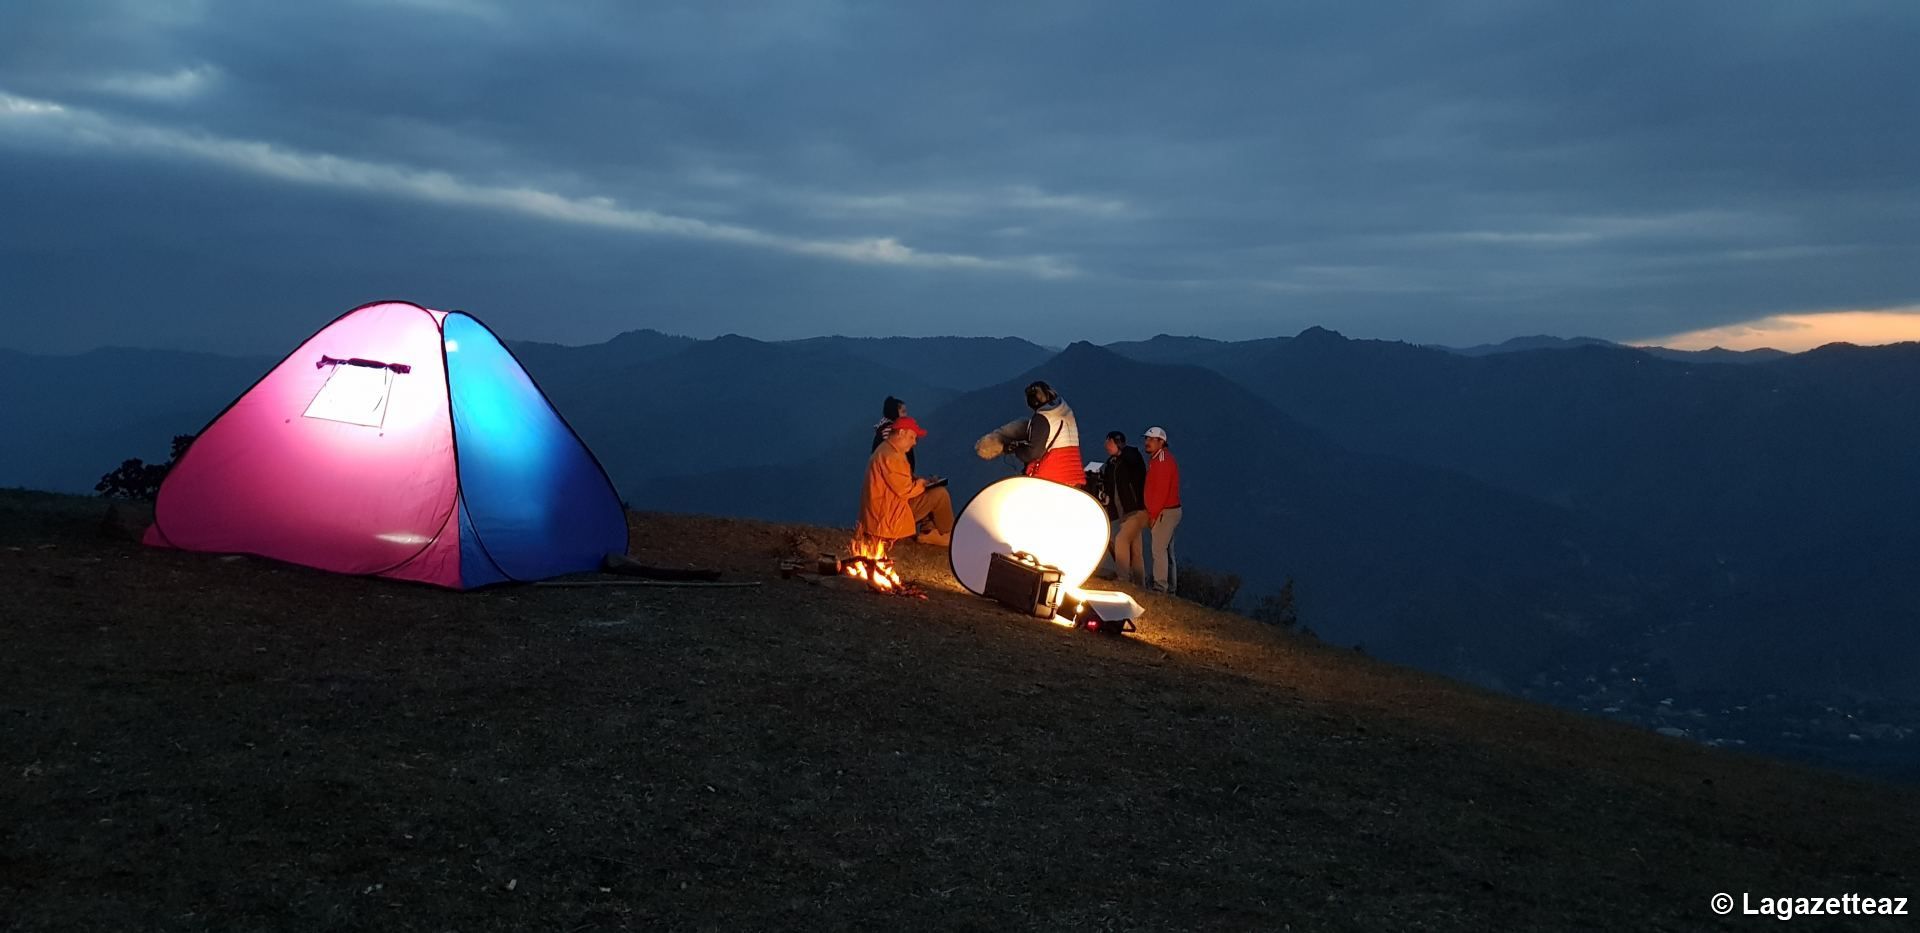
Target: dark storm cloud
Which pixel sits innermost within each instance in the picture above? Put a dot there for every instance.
(1451, 172)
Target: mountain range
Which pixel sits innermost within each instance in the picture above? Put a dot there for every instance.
(1544, 342)
(1538, 509)
(1786, 479)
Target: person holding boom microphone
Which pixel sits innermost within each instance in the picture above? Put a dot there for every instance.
(1053, 438)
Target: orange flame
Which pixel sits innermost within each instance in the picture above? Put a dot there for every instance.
(871, 564)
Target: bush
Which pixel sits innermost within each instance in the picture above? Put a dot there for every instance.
(1213, 590)
(1277, 608)
(136, 479)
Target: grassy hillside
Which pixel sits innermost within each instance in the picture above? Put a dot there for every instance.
(189, 743)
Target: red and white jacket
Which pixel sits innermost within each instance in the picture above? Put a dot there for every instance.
(1053, 443)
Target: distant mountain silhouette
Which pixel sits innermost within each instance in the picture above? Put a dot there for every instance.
(69, 419)
(719, 404)
(624, 350)
(1717, 355)
(1167, 349)
(1544, 342)
(948, 362)
(1776, 473)
(1536, 342)
(1203, 351)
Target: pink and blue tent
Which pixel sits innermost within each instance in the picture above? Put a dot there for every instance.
(397, 442)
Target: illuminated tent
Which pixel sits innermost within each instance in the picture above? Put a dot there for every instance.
(397, 442)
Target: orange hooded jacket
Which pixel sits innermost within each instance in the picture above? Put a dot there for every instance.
(886, 501)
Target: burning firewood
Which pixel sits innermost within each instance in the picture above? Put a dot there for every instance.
(871, 565)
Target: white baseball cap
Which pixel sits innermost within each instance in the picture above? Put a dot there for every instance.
(1157, 431)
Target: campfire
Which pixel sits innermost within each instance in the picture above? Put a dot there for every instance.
(871, 565)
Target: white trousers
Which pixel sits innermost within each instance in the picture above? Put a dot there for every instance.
(1165, 575)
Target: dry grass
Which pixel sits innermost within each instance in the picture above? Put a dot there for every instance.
(191, 743)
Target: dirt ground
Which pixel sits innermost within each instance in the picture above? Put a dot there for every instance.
(196, 743)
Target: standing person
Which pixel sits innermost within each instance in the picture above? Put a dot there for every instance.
(1053, 438)
(1124, 479)
(1162, 498)
(893, 500)
(891, 410)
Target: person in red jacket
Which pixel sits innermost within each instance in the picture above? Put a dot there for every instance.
(1163, 508)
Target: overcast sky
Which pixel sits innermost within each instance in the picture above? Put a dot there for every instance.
(232, 175)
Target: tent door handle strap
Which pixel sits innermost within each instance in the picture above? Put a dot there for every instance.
(325, 361)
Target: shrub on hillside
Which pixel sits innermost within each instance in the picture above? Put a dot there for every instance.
(137, 479)
(1213, 590)
(1277, 608)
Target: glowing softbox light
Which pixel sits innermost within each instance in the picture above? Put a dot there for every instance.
(1059, 525)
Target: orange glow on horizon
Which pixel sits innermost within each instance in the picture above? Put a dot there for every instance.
(1796, 332)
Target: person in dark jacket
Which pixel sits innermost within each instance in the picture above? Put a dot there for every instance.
(1123, 480)
(891, 410)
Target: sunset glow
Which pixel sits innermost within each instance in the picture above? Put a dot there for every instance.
(1797, 332)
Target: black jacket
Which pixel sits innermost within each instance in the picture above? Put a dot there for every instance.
(1124, 479)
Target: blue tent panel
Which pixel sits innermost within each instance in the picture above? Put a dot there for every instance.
(476, 566)
(536, 502)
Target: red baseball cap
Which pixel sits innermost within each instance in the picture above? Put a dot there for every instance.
(904, 423)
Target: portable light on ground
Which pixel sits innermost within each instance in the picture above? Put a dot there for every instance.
(1105, 611)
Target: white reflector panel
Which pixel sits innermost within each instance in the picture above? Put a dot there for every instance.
(1059, 525)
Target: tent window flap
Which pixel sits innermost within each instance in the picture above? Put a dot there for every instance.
(354, 395)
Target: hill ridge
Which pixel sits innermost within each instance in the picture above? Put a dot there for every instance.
(806, 752)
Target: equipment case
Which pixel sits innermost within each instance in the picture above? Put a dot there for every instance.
(1021, 583)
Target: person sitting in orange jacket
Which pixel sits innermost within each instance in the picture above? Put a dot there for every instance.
(893, 501)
